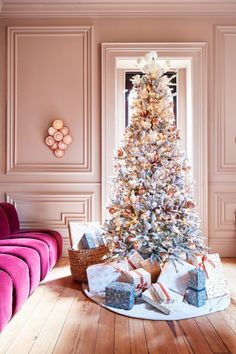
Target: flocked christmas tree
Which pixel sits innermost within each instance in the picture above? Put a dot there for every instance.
(152, 208)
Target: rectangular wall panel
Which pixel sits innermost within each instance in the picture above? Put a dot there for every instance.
(222, 187)
(53, 210)
(222, 218)
(225, 103)
(49, 77)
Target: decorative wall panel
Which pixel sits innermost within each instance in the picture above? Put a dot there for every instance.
(224, 211)
(225, 103)
(222, 218)
(54, 211)
(49, 76)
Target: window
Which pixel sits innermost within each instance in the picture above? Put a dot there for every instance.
(128, 92)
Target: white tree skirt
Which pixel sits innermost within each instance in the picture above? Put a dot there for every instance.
(145, 311)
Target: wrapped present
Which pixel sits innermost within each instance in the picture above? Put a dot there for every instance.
(216, 282)
(162, 291)
(174, 275)
(152, 298)
(151, 267)
(100, 275)
(89, 240)
(78, 229)
(134, 260)
(120, 295)
(100, 237)
(140, 278)
(197, 279)
(196, 297)
(196, 293)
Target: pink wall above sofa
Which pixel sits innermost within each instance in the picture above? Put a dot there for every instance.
(60, 74)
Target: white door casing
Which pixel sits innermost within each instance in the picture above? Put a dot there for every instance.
(196, 129)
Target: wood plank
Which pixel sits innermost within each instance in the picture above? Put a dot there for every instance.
(224, 330)
(137, 337)
(183, 341)
(163, 338)
(194, 336)
(210, 334)
(17, 324)
(79, 328)
(88, 333)
(106, 332)
(27, 337)
(122, 335)
(69, 335)
(47, 338)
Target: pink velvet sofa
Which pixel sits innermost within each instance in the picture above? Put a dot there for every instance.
(26, 257)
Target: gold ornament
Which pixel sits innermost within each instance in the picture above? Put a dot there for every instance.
(141, 190)
(112, 210)
(130, 239)
(155, 158)
(127, 212)
(119, 152)
(136, 245)
(189, 204)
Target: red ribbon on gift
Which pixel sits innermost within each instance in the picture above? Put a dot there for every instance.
(142, 285)
(119, 269)
(202, 265)
(131, 264)
(165, 292)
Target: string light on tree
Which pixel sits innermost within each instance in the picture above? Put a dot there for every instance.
(151, 207)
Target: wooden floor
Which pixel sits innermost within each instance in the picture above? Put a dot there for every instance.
(58, 318)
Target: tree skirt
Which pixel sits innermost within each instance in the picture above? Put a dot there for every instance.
(145, 311)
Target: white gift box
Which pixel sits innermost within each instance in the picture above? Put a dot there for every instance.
(100, 275)
(140, 278)
(152, 298)
(162, 291)
(216, 282)
(134, 260)
(174, 275)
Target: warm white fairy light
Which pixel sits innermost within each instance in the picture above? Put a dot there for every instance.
(152, 207)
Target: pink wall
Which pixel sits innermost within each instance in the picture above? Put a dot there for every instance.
(57, 88)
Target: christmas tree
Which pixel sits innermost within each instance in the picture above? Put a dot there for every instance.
(152, 209)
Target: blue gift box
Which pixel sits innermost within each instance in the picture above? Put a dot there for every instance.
(197, 279)
(88, 241)
(100, 238)
(120, 295)
(196, 297)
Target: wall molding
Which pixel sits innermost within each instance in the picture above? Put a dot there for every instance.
(197, 53)
(222, 220)
(14, 33)
(222, 167)
(118, 8)
(83, 201)
(222, 247)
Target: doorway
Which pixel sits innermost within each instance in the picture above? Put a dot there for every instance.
(118, 58)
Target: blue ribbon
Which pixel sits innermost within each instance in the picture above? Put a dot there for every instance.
(197, 290)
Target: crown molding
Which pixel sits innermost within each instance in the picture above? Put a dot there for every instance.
(96, 8)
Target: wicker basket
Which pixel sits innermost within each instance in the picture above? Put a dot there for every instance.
(81, 259)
